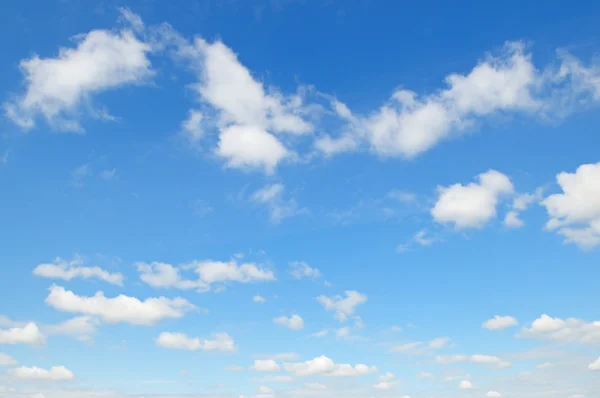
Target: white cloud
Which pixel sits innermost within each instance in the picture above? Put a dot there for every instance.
(56, 373)
(594, 366)
(320, 333)
(493, 394)
(438, 343)
(545, 365)
(119, 309)
(386, 381)
(272, 196)
(472, 205)
(325, 366)
(491, 361)
(82, 328)
(251, 147)
(220, 342)
(28, 334)
(426, 375)
(407, 347)
(294, 322)
(259, 299)
(300, 270)
(575, 212)
(68, 270)
(521, 203)
(209, 272)
(108, 174)
(409, 125)
(282, 356)
(234, 368)
(465, 385)
(500, 322)
(7, 360)
(79, 174)
(343, 307)
(194, 127)
(61, 89)
(570, 330)
(265, 365)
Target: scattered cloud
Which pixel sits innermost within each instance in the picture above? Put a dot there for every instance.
(343, 306)
(327, 367)
(294, 322)
(259, 299)
(209, 272)
(472, 205)
(80, 174)
(491, 361)
(521, 203)
(386, 381)
(595, 366)
(300, 270)
(119, 309)
(465, 385)
(108, 174)
(500, 322)
(272, 196)
(575, 213)
(180, 341)
(68, 270)
(7, 360)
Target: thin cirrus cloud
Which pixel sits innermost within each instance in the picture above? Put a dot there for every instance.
(119, 309)
(68, 270)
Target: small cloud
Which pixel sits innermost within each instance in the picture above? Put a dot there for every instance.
(108, 174)
(79, 174)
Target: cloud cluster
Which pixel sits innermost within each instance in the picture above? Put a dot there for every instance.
(343, 306)
(570, 330)
(294, 321)
(28, 334)
(55, 373)
(327, 367)
(220, 342)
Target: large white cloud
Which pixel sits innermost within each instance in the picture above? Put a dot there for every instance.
(220, 342)
(343, 306)
(67, 270)
(575, 212)
(472, 205)
(327, 367)
(55, 373)
(28, 334)
(61, 88)
(121, 308)
(571, 330)
(209, 272)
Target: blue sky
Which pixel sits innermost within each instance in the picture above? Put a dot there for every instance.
(299, 199)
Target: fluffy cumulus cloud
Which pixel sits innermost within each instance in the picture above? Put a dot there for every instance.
(294, 322)
(301, 270)
(265, 365)
(490, 361)
(28, 334)
(55, 373)
(259, 299)
(209, 272)
(220, 342)
(67, 270)
(465, 385)
(60, 89)
(570, 330)
(343, 306)
(327, 367)
(575, 213)
(595, 366)
(472, 205)
(499, 322)
(121, 308)
(273, 197)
